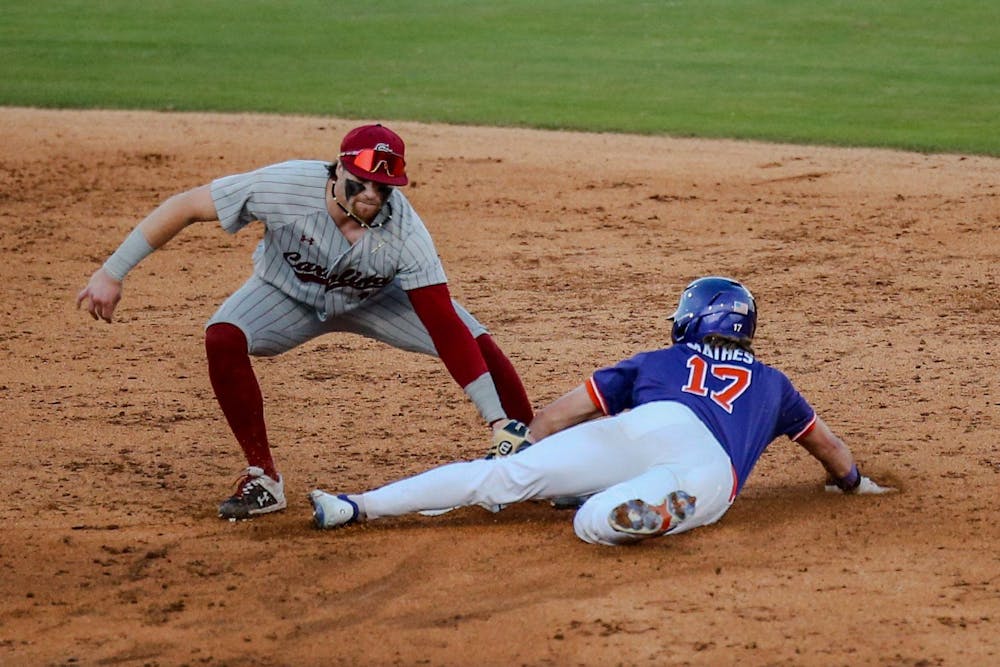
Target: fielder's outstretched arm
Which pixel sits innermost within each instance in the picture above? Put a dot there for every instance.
(104, 290)
(457, 349)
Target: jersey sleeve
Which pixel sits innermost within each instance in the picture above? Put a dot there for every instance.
(419, 264)
(796, 416)
(611, 387)
(233, 197)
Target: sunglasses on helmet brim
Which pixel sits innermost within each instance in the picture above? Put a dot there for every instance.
(371, 160)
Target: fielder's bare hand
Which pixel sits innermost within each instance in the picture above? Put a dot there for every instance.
(102, 295)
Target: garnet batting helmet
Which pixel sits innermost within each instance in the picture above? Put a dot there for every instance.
(714, 305)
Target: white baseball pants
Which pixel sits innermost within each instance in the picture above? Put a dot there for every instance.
(644, 453)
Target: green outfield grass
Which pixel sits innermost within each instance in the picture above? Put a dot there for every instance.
(912, 74)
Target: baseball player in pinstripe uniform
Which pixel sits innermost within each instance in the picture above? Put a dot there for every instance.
(685, 426)
(343, 250)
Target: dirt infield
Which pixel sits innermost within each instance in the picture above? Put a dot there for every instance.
(877, 277)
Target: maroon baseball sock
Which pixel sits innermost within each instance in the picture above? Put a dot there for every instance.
(512, 395)
(238, 393)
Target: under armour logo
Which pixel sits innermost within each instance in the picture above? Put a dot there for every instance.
(308, 240)
(263, 499)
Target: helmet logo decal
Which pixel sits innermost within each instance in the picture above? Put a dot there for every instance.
(741, 308)
(382, 146)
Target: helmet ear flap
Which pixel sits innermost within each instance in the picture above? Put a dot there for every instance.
(678, 329)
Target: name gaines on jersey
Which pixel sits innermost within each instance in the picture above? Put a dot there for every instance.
(722, 353)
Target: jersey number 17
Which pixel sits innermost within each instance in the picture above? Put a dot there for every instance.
(737, 378)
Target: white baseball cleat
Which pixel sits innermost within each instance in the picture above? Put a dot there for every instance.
(637, 517)
(330, 511)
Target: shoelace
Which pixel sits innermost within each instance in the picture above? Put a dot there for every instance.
(244, 483)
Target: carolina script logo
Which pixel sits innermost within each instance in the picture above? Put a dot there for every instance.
(310, 272)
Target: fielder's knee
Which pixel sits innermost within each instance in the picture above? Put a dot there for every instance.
(224, 337)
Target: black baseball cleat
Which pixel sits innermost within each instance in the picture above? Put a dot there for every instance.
(256, 493)
(569, 502)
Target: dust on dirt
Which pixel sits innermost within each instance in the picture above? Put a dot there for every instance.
(877, 279)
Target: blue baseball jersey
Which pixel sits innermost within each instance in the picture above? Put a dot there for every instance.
(745, 403)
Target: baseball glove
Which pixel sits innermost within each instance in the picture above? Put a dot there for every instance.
(510, 439)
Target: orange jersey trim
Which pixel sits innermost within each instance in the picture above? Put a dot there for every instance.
(595, 395)
(809, 427)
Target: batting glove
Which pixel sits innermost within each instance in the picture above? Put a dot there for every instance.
(865, 486)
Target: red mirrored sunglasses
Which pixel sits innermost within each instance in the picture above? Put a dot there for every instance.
(371, 160)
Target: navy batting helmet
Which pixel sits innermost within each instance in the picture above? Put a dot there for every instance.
(714, 305)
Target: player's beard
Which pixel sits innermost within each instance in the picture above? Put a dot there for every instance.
(363, 208)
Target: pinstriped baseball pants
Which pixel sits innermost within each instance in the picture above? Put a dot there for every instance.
(273, 323)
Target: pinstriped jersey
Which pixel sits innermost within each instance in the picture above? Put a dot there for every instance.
(745, 403)
(305, 255)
